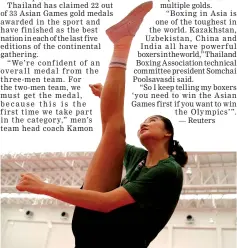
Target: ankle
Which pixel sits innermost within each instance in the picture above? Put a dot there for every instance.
(125, 41)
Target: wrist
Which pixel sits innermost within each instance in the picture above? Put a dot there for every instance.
(45, 188)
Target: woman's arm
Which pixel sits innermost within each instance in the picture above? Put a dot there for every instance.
(92, 200)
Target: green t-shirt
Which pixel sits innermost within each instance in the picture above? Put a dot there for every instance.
(156, 190)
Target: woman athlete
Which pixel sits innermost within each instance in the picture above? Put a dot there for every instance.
(110, 213)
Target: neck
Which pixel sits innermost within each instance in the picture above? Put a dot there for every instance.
(155, 154)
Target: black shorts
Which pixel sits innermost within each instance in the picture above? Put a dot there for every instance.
(119, 228)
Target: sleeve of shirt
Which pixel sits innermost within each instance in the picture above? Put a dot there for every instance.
(151, 187)
(130, 153)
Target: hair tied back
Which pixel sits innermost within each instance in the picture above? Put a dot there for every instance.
(176, 144)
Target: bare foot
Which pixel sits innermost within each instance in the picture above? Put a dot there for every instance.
(130, 24)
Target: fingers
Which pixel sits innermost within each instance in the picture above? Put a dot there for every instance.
(24, 181)
(25, 175)
(19, 187)
(24, 178)
(28, 174)
(96, 89)
(96, 86)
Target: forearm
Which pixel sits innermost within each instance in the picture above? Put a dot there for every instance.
(88, 199)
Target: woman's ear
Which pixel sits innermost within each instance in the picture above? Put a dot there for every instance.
(168, 134)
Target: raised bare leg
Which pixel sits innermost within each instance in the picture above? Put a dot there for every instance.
(105, 170)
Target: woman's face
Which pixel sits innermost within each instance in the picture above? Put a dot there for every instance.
(152, 128)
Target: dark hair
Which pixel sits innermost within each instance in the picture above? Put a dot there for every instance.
(175, 149)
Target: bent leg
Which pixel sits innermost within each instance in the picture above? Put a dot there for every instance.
(105, 170)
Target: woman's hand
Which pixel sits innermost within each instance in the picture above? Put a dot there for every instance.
(96, 89)
(31, 183)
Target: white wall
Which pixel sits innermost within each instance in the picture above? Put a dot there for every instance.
(18, 231)
(178, 234)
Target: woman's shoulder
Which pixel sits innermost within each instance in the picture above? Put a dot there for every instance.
(167, 166)
(135, 149)
(171, 166)
(133, 155)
